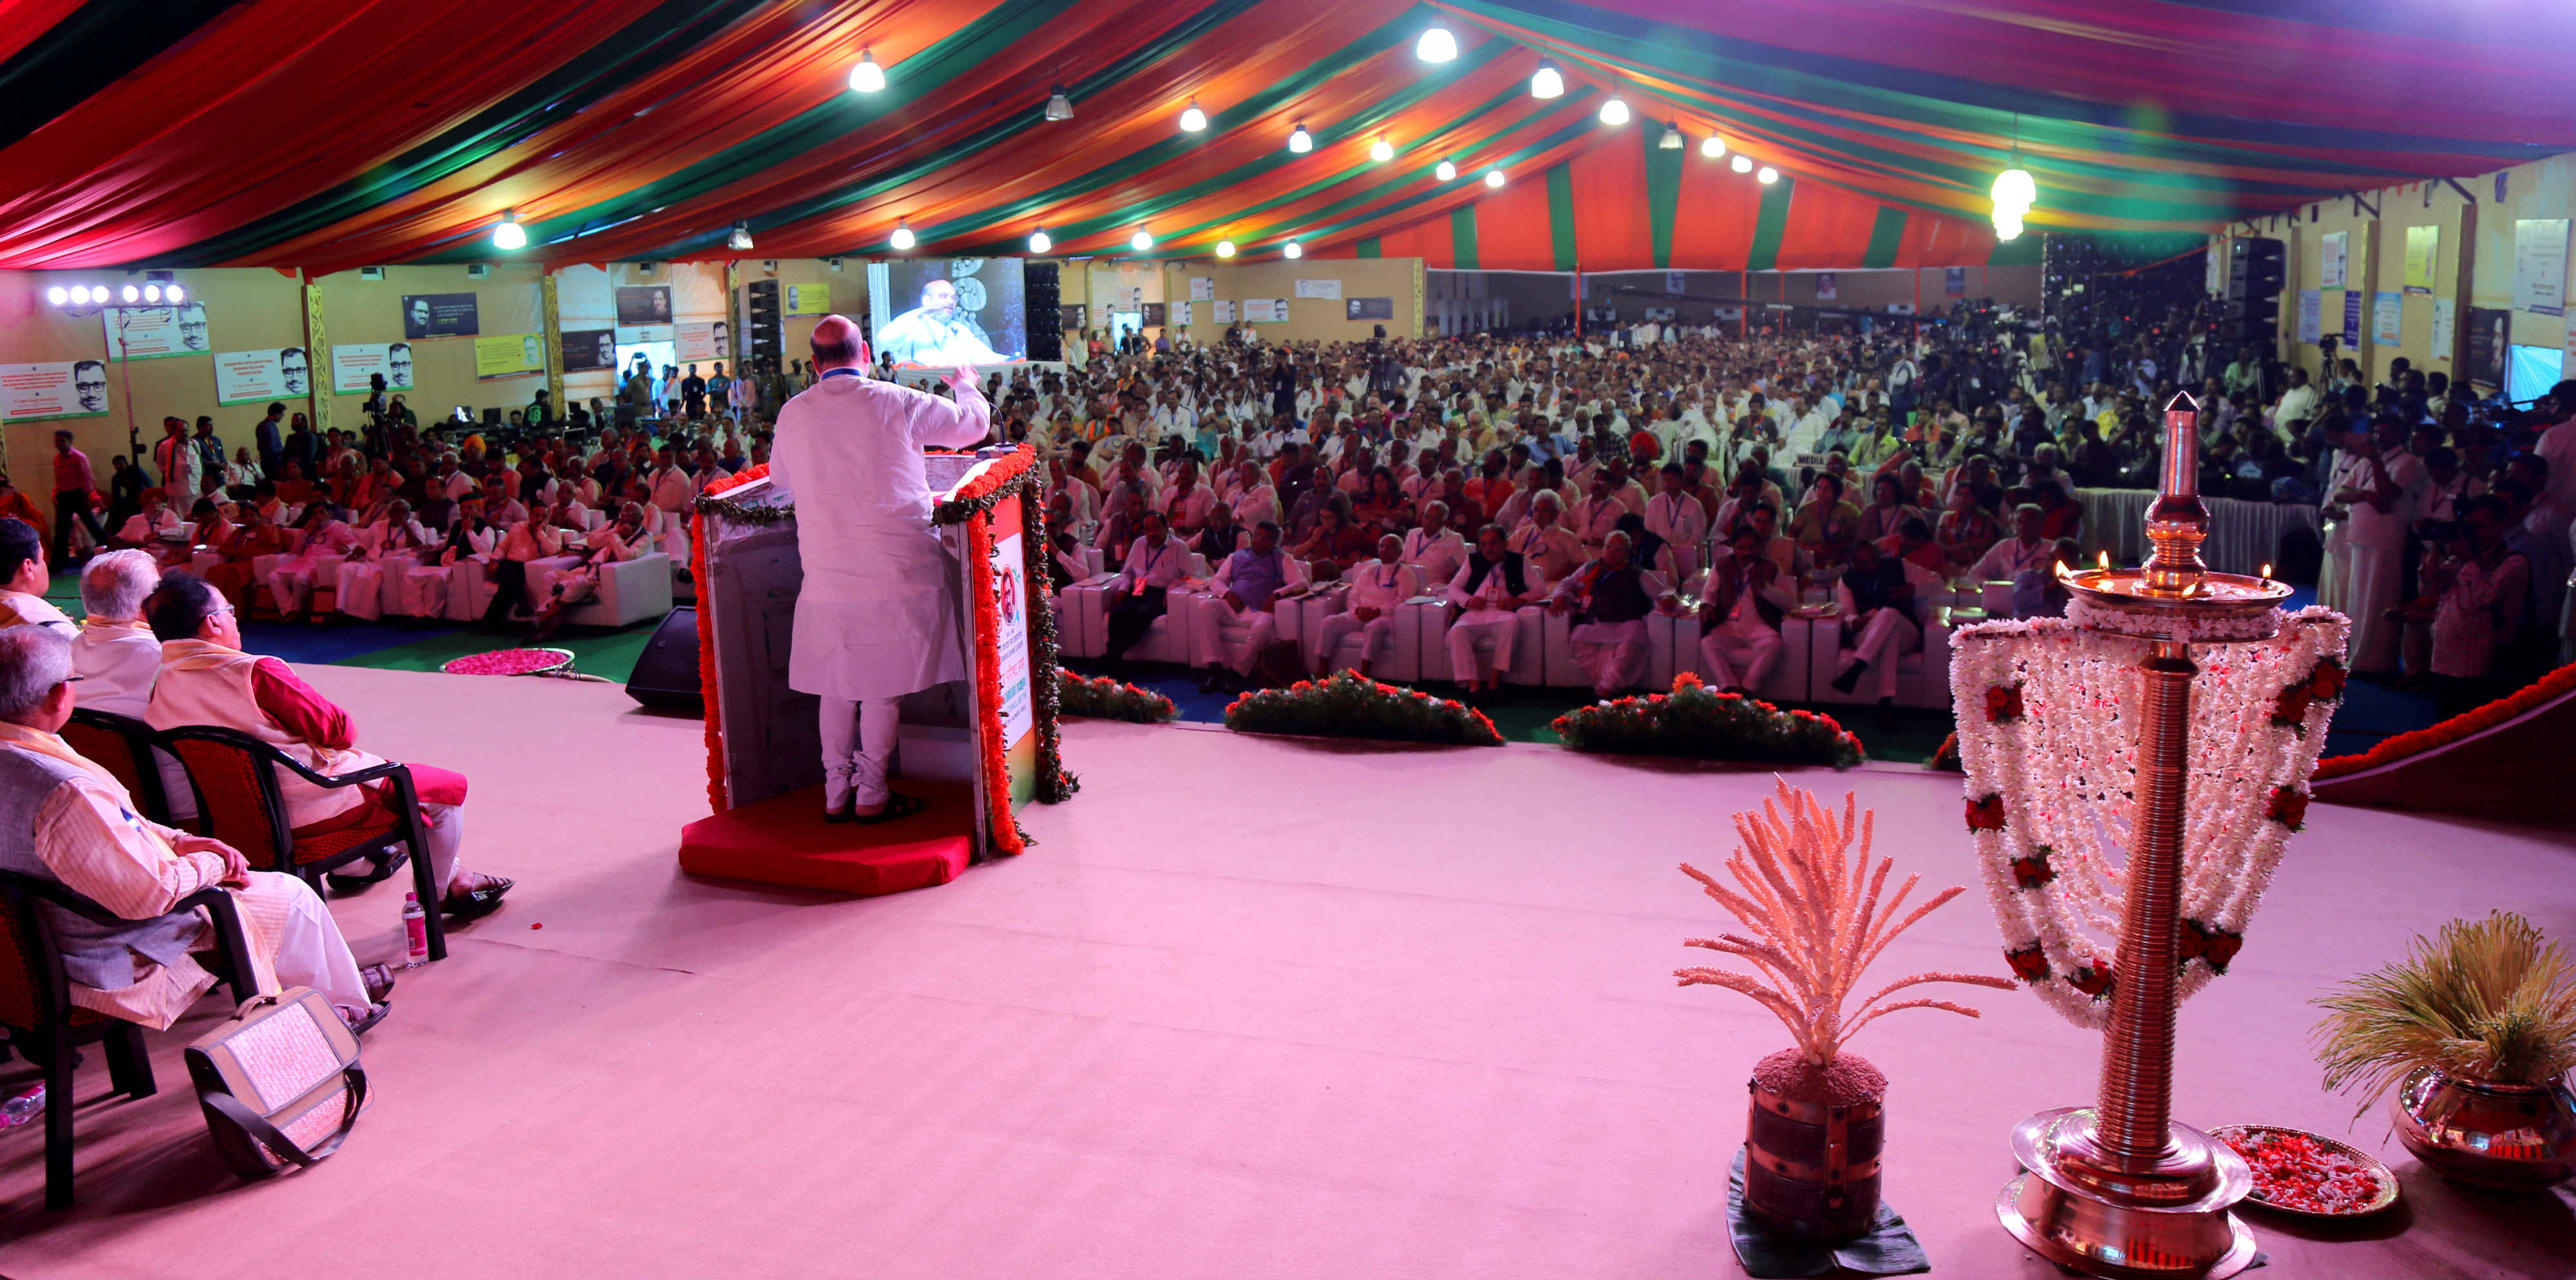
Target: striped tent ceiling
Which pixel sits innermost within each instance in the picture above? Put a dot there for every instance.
(326, 134)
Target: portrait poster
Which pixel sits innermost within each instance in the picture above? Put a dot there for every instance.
(355, 364)
(2311, 315)
(1151, 315)
(1202, 288)
(1320, 289)
(1265, 310)
(2423, 246)
(254, 377)
(1069, 315)
(509, 355)
(643, 304)
(2351, 319)
(1181, 314)
(2490, 334)
(1368, 308)
(587, 350)
(1827, 287)
(1673, 284)
(2540, 265)
(1127, 298)
(2446, 319)
(440, 315)
(1224, 310)
(2333, 259)
(1954, 281)
(61, 389)
(155, 333)
(704, 340)
(2387, 312)
(809, 299)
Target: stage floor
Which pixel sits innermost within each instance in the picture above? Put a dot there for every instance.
(1249, 1007)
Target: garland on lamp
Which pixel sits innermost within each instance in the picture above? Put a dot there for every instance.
(1349, 705)
(2048, 742)
(1697, 722)
(1103, 698)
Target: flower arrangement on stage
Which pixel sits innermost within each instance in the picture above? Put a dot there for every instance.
(2048, 740)
(1349, 705)
(1699, 723)
(1945, 758)
(2492, 1000)
(1818, 916)
(2468, 724)
(1102, 698)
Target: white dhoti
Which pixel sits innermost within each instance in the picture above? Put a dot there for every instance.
(1502, 626)
(2334, 573)
(1887, 635)
(2372, 588)
(290, 584)
(566, 586)
(364, 585)
(1740, 653)
(286, 920)
(1207, 639)
(1612, 653)
(1376, 632)
(858, 745)
(446, 824)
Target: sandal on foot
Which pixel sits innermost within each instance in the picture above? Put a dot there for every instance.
(375, 1013)
(898, 805)
(341, 883)
(379, 980)
(477, 903)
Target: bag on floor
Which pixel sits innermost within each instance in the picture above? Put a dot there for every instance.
(280, 1083)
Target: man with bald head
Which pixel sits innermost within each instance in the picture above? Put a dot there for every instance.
(875, 619)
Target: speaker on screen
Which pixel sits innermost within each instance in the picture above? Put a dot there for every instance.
(666, 674)
(935, 312)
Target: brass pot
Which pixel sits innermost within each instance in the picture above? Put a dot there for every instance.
(2492, 1135)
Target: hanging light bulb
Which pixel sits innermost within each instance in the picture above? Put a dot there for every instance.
(1672, 139)
(1038, 242)
(1547, 81)
(509, 235)
(2007, 222)
(1494, 178)
(1436, 44)
(58, 295)
(1445, 172)
(80, 295)
(1142, 240)
(1381, 151)
(1293, 249)
(1712, 146)
(1193, 119)
(1059, 107)
(1742, 163)
(1299, 141)
(1768, 175)
(132, 295)
(176, 295)
(1225, 248)
(867, 76)
(151, 293)
(741, 237)
(902, 239)
(1614, 111)
(2014, 187)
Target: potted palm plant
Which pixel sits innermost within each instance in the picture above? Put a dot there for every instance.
(2477, 1031)
(1816, 917)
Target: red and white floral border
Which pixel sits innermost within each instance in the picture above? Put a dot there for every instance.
(2048, 719)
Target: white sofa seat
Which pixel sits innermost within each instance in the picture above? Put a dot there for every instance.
(1676, 650)
(1433, 616)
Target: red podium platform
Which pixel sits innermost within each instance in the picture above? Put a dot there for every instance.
(784, 840)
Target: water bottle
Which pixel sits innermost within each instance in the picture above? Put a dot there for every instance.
(23, 1109)
(415, 931)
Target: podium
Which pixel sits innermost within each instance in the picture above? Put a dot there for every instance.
(978, 748)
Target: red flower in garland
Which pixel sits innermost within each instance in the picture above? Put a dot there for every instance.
(2034, 872)
(2289, 807)
(2208, 944)
(2325, 684)
(2095, 979)
(2029, 964)
(2003, 703)
(1986, 813)
(2291, 708)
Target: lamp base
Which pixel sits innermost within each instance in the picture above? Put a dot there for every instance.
(2063, 1208)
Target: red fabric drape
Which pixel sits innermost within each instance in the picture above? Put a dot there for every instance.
(1513, 230)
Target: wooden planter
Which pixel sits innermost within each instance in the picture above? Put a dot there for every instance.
(1812, 1146)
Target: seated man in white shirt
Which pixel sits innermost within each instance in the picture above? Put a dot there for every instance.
(1433, 547)
(1377, 588)
(1490, 589)
(1156, 562)
(1676, 517)
(24, 580)
(2024, 559)
(1739, 615)
(115, 655)
(1609, 599)
(1247, 588)
(1253, 498)
(1550, 547)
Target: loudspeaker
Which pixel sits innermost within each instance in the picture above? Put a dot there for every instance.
(1044, 287)
(2255, 275)
(666, 673)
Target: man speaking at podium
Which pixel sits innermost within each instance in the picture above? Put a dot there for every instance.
(876, 618)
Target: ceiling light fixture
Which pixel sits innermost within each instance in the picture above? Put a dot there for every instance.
(1672, 139)
(867, 76)
(1038, 241)
(902, 239)
(1059, 107)
(741, 237)
(1445, 171)
(1547, 81)
(509, 235)
(1436, 45)
(1614, 112)
(1381, 151)
(1742, 163)
(1712, 146)
(1193, 119)
(1299, 141)
(1768, 175)
(1142, 240)
(1494, 178)
(1293, 249)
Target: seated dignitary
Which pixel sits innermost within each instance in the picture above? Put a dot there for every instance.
(1155, 563)
(23, 580)
(1247, 588)
(206, 679)
(1878, 611)
(72, 823)
(1377, 588)
(1739, 615)
(115, 654)
(1489, 591)
(1432, 547)
(1609, 599)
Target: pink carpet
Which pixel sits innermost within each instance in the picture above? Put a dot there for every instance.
(1249, 1007)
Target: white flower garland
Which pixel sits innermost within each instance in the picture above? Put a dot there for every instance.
(2048, 738)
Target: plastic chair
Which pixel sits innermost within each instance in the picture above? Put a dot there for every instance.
(123, 746)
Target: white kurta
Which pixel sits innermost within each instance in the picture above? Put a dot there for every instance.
(877, 616)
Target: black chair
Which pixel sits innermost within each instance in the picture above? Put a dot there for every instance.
(240, 803)
(36, 1009)
(124, 747)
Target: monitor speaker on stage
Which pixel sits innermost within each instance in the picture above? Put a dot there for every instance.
(1046, 342)
(666, 675)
